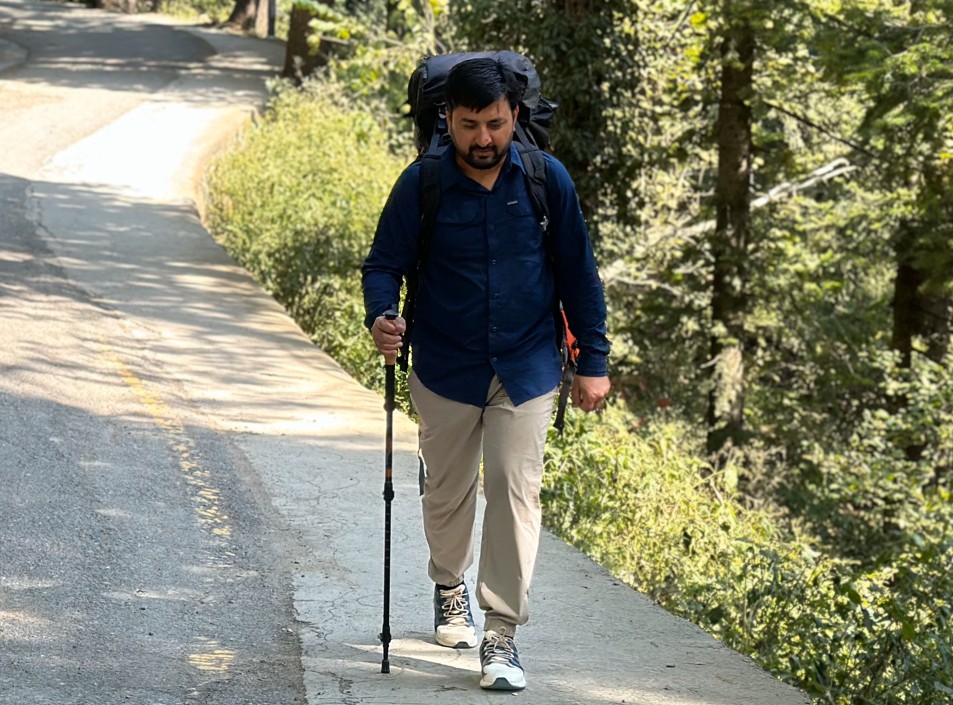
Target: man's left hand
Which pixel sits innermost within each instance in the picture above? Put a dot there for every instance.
(588, 393)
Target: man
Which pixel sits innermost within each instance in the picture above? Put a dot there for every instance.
(485, 360)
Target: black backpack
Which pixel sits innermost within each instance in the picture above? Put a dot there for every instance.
(425, 95)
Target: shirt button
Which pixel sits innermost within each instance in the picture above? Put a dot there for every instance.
(492, 261)
(492, 359)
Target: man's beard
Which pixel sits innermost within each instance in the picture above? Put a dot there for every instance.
(488, 158)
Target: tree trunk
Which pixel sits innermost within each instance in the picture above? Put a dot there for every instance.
(916, 313)
(917, 316)
(261, 19)
(245, 15)
(730, 242)
(129, 7)
(300, 59)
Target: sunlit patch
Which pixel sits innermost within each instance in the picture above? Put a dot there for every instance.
(419, 651)
(16, 620)
(113, 512)
(19, 257)
(173, 594)
(17, 583)
(212, 658)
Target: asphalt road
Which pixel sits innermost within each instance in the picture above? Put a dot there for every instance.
(139, 562)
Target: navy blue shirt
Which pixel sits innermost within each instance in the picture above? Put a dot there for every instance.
(487, 293)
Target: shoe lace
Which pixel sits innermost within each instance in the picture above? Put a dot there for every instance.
(455, 606)
(500, 648)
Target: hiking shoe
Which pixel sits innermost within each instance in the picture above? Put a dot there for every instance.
(452, 619)
(500, 663)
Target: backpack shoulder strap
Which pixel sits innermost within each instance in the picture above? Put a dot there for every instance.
(534, 164)
(429, 202)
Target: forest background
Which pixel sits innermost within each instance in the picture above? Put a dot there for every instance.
(769, 189)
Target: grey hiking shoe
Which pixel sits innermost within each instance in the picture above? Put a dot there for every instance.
(500, 663)
(452, 619)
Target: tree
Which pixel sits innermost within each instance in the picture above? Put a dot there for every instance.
(900, 56)
(729, 243)
(250, 16)
(129, 7)
(302, 57)
(900, 53)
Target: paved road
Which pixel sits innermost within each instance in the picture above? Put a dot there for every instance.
(138, 562)
(191, 506)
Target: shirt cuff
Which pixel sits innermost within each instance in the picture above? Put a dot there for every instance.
(592, 365)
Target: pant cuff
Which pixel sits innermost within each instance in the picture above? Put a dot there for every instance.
(499, 626)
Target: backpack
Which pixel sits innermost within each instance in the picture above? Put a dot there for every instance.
(425, 95)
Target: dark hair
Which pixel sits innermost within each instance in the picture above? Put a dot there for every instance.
(476, 83)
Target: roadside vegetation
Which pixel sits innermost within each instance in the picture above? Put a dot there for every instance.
(770, 191)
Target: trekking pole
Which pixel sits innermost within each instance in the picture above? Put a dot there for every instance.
(389, 394)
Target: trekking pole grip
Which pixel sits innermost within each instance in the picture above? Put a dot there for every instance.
(391, 314)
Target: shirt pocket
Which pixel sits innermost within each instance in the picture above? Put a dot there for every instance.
(520, 209)
(524, 233)
(458, 231)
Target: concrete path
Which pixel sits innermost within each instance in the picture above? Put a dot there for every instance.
(202, 347)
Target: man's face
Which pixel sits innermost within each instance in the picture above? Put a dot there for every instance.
(482, 138)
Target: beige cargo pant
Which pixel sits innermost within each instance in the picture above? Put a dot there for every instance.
(452, 437)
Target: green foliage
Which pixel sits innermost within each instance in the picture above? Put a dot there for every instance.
(637, 502)
(869, 495)
(899, 56)
(380, 49)
(297, 203)
(215, 11)
(633, 497)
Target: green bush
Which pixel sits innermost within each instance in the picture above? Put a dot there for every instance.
(214, 11)
(635, 498)
(297, 201)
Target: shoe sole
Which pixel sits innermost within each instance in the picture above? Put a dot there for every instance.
(502, 684)
(457, 645)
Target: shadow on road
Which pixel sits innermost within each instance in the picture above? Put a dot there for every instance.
(75, 48)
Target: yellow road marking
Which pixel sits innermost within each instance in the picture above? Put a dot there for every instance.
(205, 497)
(208, 655)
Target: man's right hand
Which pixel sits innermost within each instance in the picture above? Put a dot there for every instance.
(387, 335)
